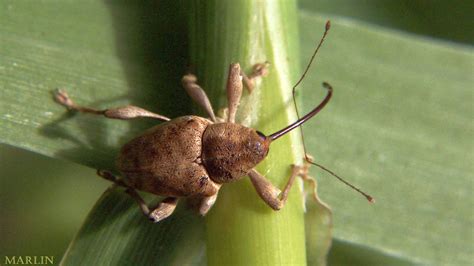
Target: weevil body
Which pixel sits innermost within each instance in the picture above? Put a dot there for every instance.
(192, 156)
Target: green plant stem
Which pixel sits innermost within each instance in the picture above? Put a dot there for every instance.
(241, 229)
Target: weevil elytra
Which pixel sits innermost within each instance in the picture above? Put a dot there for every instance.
(192, 156)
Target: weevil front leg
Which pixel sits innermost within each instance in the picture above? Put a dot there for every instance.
(258, 70)
(268, 192)
(235, 80)
(234, 91)
(164, 209)
(125, 112)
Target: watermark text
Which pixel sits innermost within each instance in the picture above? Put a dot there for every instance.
(28, 260)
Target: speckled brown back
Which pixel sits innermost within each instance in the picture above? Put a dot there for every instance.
(165, 160)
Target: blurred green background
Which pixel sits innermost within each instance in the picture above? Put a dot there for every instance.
(44, 201)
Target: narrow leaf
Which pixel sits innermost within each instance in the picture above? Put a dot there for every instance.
(241, 228)
(117, 233)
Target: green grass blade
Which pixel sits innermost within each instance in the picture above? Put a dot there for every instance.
(347, 253)
(399, 126)
(117, 233)
(241, 229)
(103, 55)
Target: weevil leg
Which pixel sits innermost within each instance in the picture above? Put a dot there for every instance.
(125, 112)
(234, 91)
(195, 91)
(235, 81)
(304, 174)
(130, 191)
(139, 200)
(206, 204)
(111, 177)
(164, 209)
(258, 70)
(268, 192)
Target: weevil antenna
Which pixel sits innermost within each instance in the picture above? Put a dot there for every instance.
(367, 196)
(326, 30)
(311, 114)
(305, 118)
(287, 129)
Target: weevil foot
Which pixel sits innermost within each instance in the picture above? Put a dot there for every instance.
(258, 70)
(206, 204)
(164, 209)
(61, 97)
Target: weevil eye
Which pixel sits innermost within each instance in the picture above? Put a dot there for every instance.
(261, 135)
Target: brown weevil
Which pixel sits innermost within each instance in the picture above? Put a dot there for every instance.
(192, 156)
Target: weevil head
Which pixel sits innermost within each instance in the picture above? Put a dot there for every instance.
(230, 151)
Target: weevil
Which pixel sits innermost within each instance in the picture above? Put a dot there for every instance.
(192, 156)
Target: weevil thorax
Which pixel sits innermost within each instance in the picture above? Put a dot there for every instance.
(230, 151)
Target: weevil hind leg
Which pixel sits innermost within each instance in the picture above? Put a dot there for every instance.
(130, 191)
(112, 178)
(125, 112)
(268, 192)
(164, 209)
(195, 91)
